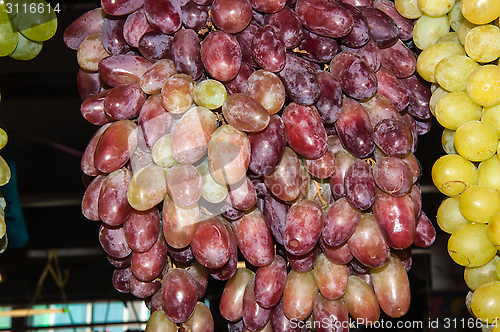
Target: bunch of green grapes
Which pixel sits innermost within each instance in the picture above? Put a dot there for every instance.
(460, 43)
(4, 179)
(24, 26)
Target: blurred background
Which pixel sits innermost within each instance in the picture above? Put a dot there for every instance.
(54, 261)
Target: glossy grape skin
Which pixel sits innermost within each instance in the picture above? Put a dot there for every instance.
(136, 25)
(300, 81)
(124, 102)
(331, 278)
(303, 225)
(370, 52)
(244, 39)
(340, 222)
(221, 55)
(354, 74)
(120, 263)
(453, 174)
(316, 48)
(186, 53)
(380, 108)
(383, 29)
(299, 294)
(405, 25)
(231, 16)
(179, 295)
(244, 113)
(195, 16)
(200, 274)
(288, 23)
(390, 87)
(121, 280)
(484, 303)
(393, 137)
(420, 96)
(113, 242)
(360, 300)
(122, 69)
(329, 103)
(92, 109)
(330, 315)
(231, 302)
(393, 176)
(304, 130)
(113, 206)
(324, 18)
(267, 89)
(359, 185)
(148, 265)
(360, 32)
(141, 289)
(184, 184)
(469, 245)
(179, 223)
(396, 218)
(177, 93)
(164, 15)
(90, 198)
(182, 255)
(343, 160)
(475, 277)
(392, 287)
(270, 282)
(323, 167)
(280, 322)
(354, 129)
(399, 59)
(425, 233)
(228, 154)
(255, 317)
(90, 52)
(112, 36)
(210, 244)
(154, 121)
(142, 229)
(340, 254)
(88, 83)
(154, 45)
(200, 321)
(87, 24)
(367, 244)
(254, 238)
(117, 8)
(303, 263)
(242, 196)
(159, 322)
(268, 49)
(275, 216)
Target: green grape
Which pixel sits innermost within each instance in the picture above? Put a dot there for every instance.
(36, 21)
(158, 322)
(8, 38)
(435, 7)
(470, 246)
(26, 49)
(488, 173)
(7, 9)
(436, 96)
(3, 226)
(408, 8)
(448, 215)
(428, 30)
(455, 16)
(483, 85)
(491, 116)
(485, 302)
(479, 203)
(476, 141)
(455, 109)
(452, 174)
(447, 140)
(476, 276)
(210, 94)
(4, 172)
(433, 54)
(482, 43)
(494, 229)
(3, 138)
(452, 72)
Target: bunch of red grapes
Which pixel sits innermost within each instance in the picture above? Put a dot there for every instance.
(268, 143)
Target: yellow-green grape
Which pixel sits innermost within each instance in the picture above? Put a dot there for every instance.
(476, 141)
(491, 116)
(3, 243)
(464, 29)
(482, 43)
(408, 8)
(488, 173)
(447, 141)
(485, 302)
(7, 9)
(455, 16)
(494, 229)
(479, 203)
(452, 72)
(448, 215)
(436, 96)
(476, 276)
(428, 30)
(210, 94)
(452, 174)
(480, 11)
(3, 138)
(3, 226)
(429, 58)
(455, 109)
(450, 36)
(8, 38)
(212, 191)
(470, 246)
(37, 22)
(4, 172)
(26, 49)
(483, 85)
(435, 7)
(159, 322)
(162, 152)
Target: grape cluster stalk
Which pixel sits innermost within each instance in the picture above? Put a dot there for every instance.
(268, 144)
(460, 58)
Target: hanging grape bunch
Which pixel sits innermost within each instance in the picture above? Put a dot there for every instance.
(24, 26)
(460, 43)
(279, 132)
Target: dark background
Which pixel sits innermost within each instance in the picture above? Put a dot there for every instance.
(40, 106)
